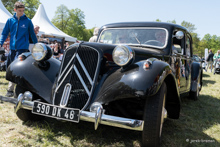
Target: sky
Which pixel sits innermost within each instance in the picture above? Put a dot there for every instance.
(204, 14)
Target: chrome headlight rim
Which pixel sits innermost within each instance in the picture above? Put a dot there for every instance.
(129, 51)
(44, 51)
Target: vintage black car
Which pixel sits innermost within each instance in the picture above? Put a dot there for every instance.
(133, 77)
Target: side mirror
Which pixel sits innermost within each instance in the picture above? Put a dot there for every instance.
(179, 35)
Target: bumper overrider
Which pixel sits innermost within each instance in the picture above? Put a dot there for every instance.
(97, 117)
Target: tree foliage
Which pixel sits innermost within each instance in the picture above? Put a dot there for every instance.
(71, 22)
(9, 5)
(158, 20)
(172, 21)
(30, 6)
(191, 27)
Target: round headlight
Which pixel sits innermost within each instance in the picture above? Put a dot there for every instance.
(39, 51)
(122, 55)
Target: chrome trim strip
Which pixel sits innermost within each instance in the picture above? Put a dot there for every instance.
(65, 95)
(64, 56)
(98, 64)
(121, 122)
(98, 116)
(81, 80)
(19, 102)
(66, 67)
(84, 69)
(63, 79)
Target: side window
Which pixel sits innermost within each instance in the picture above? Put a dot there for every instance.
(188, 46)
(178, 45)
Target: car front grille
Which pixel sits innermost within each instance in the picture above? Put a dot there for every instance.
(78, 69)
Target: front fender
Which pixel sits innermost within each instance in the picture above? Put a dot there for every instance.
(135, 81)
(33, 76)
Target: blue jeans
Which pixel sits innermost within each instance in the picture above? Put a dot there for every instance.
(210, 63)
(13, 54)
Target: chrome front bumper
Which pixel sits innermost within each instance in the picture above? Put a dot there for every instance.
(96, 117)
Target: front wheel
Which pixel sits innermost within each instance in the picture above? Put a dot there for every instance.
(154, 115)
(24, 114)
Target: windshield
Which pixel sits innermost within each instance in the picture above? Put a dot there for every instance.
(152, 37)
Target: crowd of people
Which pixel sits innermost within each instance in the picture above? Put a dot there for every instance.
(14, 43)
(212, 59)
(57, 48)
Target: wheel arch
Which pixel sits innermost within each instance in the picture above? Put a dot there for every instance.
(173, 100)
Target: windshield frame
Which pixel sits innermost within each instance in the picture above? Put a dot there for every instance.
(138, 44)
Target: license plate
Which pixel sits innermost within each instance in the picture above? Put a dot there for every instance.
(69, 114)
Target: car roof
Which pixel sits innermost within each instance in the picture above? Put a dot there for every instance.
(144, 24)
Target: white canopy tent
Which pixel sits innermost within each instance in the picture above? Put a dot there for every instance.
(41, 19)
(4, 16)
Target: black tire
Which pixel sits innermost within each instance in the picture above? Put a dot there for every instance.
(23, 114)
(154, 118)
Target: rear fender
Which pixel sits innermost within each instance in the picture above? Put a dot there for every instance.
(34, 76)
(196, 72)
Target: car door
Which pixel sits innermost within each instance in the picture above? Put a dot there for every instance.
(179, 62)
(188, 54)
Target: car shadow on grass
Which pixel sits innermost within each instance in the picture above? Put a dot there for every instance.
(103, 136)
(3, 83)
(205, 75)
(206, 82)
(197, 125)
(194, 128)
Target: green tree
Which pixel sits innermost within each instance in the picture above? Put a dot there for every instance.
(71, 22)
(196, 40)
(172, 21)
(61, 17)
(191, 27)
(76, 24)
(30, 6)
(9, 5)
(206, 41)
(158, 20)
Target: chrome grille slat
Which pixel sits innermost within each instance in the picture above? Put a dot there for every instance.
(81, 80)
(71, 60)
(63, 78)
(84, 69)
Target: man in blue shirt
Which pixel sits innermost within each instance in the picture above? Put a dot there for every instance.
(20, 27)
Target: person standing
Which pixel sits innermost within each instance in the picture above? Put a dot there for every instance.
(216, 59)
(36, 31)
(20, 27)
(56, 51)
(95, 33)
(210, 60)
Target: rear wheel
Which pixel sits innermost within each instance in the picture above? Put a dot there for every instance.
(195, 94)
(24, 114)
(154, 115)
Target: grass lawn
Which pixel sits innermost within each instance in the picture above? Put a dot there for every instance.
(198, 125)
